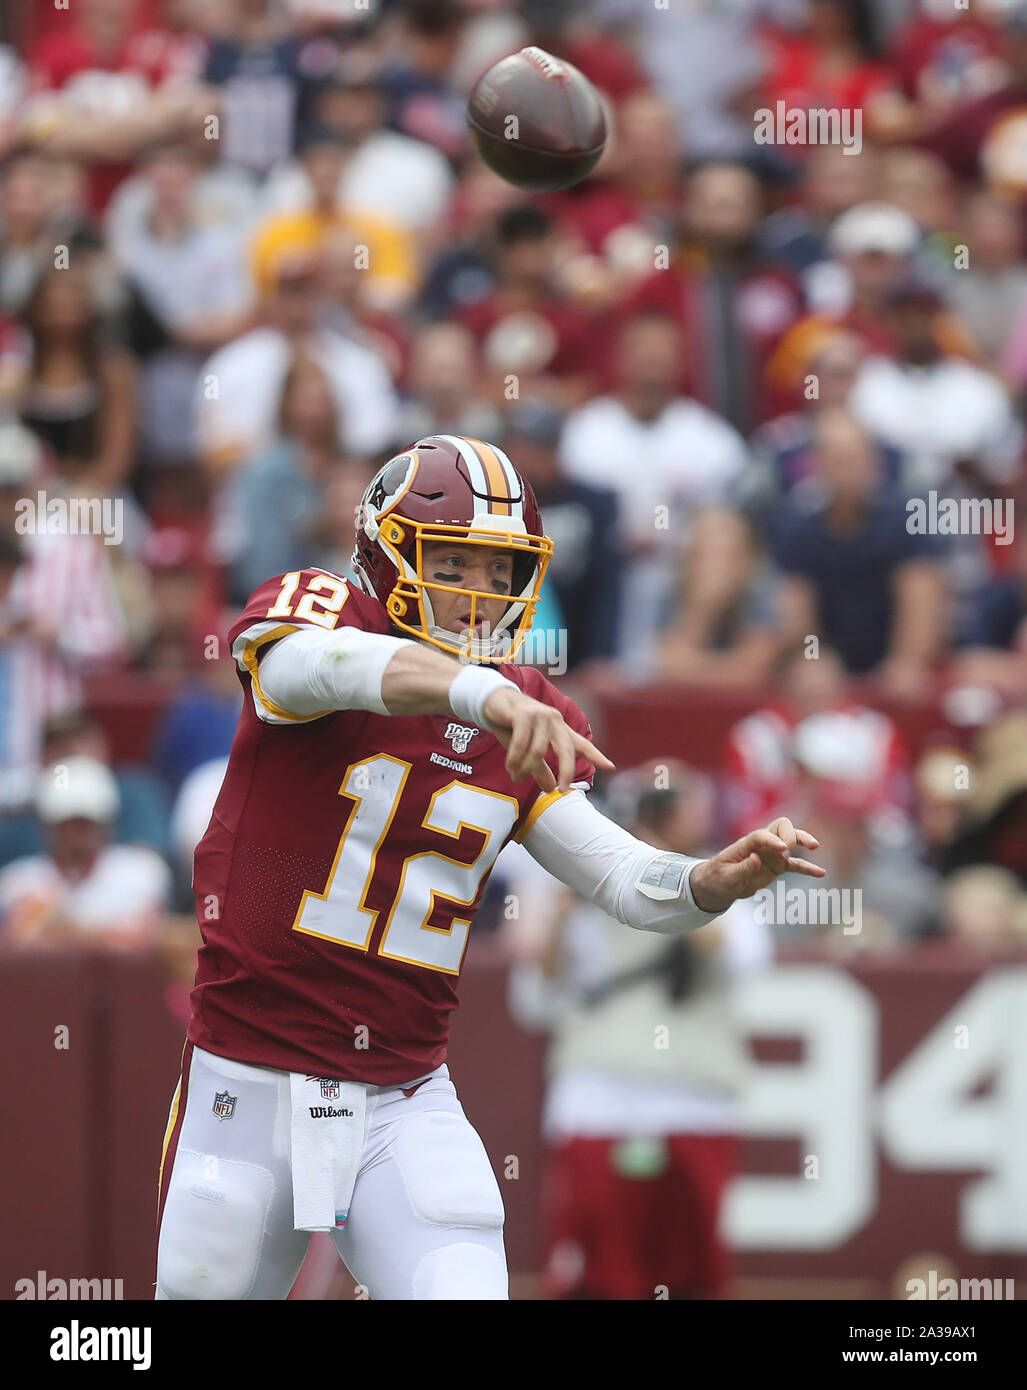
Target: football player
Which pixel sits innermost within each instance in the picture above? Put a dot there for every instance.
(389, 745)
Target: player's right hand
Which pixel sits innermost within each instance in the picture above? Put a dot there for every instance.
(529, 730)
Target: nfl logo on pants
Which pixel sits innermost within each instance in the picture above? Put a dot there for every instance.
(330, 1090)
(224, 1105)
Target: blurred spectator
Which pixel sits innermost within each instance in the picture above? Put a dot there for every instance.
(200, 722)
(388, 176)
(946, 56)
(25, 216)
(990, 295)
(985, 909)
(13, 85)
(189, 295)
(280, 495)
(350, 311)
(529, 332)
(948, 416)
(706, 61)
(83, 891)
(796, 235)
(417, 81)
(464, 270)
(760, 775)
(632, 203)
(143, 806)
(20, 722)
(346, 487)
(15, 358)
(725, 293)
(61, 616)
(105, 87)
(641, 1139)
(388, 262)
(994, 651)
(183, 617)
(983, 137)
(241, 385)
(664, 455)
(828, 59)
(919, 184)
(861, 581)
(586, 573)
(80, 396)
(254, 63)
(189, 820)
(873, 245)
(941, 784)
(996, 832)
(444, 389)
(729, 626)
(784, 449)
(895, 898)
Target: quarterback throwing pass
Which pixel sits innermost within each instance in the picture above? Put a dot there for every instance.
(388, 747)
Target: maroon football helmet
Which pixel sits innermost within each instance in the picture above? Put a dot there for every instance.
(448, 488)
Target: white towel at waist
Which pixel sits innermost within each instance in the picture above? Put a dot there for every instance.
(327, 1136)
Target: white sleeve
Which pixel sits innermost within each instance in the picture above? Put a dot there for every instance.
(642, 887)
(310, 672)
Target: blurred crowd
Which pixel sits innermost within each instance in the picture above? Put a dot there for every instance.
(247, 252)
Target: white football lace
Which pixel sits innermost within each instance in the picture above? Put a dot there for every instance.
(545, 62)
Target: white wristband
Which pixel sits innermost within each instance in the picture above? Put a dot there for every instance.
(469, 691)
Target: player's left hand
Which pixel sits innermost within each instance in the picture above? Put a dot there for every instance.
(750, 864)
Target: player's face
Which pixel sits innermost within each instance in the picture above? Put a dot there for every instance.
(485, 568)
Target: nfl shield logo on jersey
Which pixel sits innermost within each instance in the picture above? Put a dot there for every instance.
(224, 1105)
(460, 736)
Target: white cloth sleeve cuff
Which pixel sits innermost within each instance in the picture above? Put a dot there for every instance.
(469, 691)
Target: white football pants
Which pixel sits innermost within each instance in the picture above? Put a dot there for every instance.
(425, 1220)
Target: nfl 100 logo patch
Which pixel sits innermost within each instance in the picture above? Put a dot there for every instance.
(224, 1105)
(460, 735)
(330, 1088)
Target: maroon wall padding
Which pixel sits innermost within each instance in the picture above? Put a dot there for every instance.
(83, 1127)
(48, 1167)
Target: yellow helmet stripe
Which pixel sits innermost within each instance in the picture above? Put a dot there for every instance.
(513, 482)
(498, 482)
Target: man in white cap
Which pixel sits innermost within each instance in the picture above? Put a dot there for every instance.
(873, 245)
(84, 891)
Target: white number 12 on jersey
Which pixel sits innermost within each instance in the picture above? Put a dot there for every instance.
(339, 913)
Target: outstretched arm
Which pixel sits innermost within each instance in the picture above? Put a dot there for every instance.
(651, 889)
(310, 673)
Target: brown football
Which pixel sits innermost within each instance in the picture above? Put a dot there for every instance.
(537, 121)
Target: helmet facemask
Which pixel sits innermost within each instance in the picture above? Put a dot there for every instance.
(410, 605)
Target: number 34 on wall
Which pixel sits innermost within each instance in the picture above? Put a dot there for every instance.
(925, 1115)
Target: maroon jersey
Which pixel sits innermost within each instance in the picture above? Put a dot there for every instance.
(344, 861)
